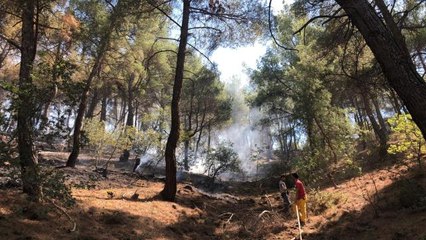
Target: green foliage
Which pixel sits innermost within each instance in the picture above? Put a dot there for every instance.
(99, 138)
(222, 159)
(8, 151)
(406, 137)
(302, 97)
(349, 169)
(103, 141)
(54, 186)
(142, 141)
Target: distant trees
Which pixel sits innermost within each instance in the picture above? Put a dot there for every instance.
(106, 25)
(74, 67)
(340, 74)
(213, 26)
(113, 61)
(205, 106)
(117, 62)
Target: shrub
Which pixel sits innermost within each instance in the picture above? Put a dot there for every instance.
(102, 140)
(320, 201)
(406, 137)
(54, 186)
(222, 159)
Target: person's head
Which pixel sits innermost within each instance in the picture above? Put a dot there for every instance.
(295, 175)
(282, 177)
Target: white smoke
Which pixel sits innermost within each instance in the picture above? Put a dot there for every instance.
(247, 138)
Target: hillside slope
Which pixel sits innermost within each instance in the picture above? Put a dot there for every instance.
(388, 203)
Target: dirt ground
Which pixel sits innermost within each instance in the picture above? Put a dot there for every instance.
(367, 207)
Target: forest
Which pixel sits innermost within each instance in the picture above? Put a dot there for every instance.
(115, 122)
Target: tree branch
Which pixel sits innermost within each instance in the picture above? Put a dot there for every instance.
(148, 60)
(206, 27)
(329, 17)
(272, 33)
(164, 12)
(192, 46)
(10, 41)
(235, 17)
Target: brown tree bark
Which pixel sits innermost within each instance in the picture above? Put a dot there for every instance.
(326, 138)
(387, 44)
(130, 100)
(101, 51)
(169, 191)
(383, 125)
(104, 107)
(25, 103)
(93, 103)
(72, 159)
(380, 132)
(54, 91)
(130, 114)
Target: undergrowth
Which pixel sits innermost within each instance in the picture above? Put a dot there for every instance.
(320, 201)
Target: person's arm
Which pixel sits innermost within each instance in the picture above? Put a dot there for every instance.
(296, 187)
(282, 187)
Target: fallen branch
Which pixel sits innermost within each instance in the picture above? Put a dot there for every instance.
(264, 211)
(65, 213)
(226, 213)
(229, 219)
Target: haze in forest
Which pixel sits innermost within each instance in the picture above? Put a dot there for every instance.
(212, 119)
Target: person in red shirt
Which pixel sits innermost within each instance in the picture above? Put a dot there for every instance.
(300, 199)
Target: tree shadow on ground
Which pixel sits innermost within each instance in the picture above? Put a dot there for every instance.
(396, 212)
(197, 217)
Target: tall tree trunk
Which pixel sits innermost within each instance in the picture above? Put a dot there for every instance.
(197, 145)
(382, 136)
(209, 138)
(169, 191)
(130, 114)
(395, 102)
(326, 138)
(54, 92)
(100, 54)
(310, 133)
(130, 108)
(360, 122)
(294, 137)
(78, 123)
(104, 107)
(188, 128)
(186, 155)
(72, 159)
(387, 44)
(383, 125)
(28, 161)
(93, 103)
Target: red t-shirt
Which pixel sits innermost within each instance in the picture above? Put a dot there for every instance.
(300, 190)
